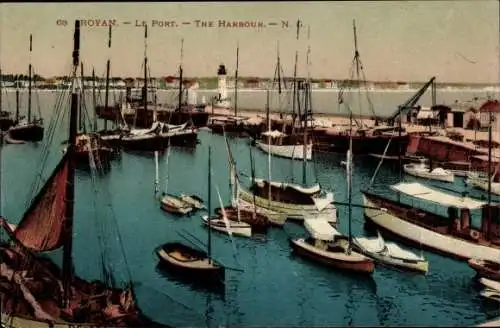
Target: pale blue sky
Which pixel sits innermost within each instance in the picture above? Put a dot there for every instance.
(457, 41)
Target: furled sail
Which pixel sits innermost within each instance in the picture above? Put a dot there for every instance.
(42, 226)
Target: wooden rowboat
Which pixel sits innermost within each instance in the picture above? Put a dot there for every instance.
(190, 263)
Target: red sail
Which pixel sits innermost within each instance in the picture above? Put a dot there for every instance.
(41, 228)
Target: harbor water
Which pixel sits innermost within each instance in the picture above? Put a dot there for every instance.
(118, 222)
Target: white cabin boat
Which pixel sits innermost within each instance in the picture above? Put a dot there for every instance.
(422, 170)
(283, 149)
(392, 217)
(390, 254)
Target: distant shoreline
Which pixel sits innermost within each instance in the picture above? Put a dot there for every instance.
(447, 89)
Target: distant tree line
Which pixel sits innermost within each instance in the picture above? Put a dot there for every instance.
(21, 77)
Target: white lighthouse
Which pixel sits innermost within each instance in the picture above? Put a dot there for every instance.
(222, 99)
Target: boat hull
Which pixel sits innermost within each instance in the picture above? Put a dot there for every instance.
(448, 177)
(287, 151)
(236, 228)
(175, 206)
(363, 265)
(160, 142)
(416, 235)
(292, 211)
(401, 264)
(206, 273)
(28, 132)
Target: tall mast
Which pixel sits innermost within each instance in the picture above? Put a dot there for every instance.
(29, 81)
(307, 105)
(180, 74)
(278, 67)
(94, 100)
(209, 244)
(490, 118)
(349, 180)
(295, 77)
(17, 102)
(304, 149)
(268, 153)
(236, 81)
(80, 110)
(106, 91)
(70, 180)
(145, 93)
(356, 59)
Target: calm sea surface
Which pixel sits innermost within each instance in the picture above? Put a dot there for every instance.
(117, 211)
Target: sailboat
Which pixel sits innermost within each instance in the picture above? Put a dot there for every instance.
(35, 291)
(294, 200)
(191, 262)
(237, 219)
(6, 120)
(297, 144)
(91, 151)
(451, 234)
(31, 128)
(112, 137)
(175, 204)
(326, 245)
(160, 134)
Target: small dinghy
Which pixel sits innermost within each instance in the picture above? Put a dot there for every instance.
(390, 254)
(422, 170)
(485, 268)
(234, 227)
(327, 246)
(190, 262)
(193, 200)
(175, 205)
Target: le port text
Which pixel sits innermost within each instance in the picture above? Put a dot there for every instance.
(168, 23)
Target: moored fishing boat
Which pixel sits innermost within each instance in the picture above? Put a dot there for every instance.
(327, 246)
(422, 170)
(390, 254)
(279, 144)
(293, 200)
(173, 204)
(30, 128)
(234, 227)
(190, 263)
(193, 200)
